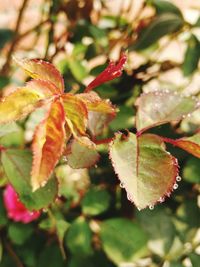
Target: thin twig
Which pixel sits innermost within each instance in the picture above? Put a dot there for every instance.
(6, 66)
(13, 255)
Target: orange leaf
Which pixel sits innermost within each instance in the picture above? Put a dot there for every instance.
(19, 104)
(76, 113)
(39, 69)
(48, 144)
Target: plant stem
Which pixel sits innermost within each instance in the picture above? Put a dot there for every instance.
(6, 66)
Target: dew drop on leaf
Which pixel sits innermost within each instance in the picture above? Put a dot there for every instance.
(178, 178)
(175, 186)
(151, 207)
(122, 185)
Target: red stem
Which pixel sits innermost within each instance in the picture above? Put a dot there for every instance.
(103, 141)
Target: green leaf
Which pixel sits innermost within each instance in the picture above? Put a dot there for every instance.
(123, 120)
(192, 56)
(176, 264)
(51, 257)
(79, 238)
(17, 166)
(162, 25)
(122, 240)
(95, 202)
(14, 138)
(61, 226)
(5, 36)
(159, 107)
(163, 6)
(195, 259)
(8, 128)
(82, 153)
(140, 164)
(191, 171)
(19, 233)
(158, 225)
(78, 70)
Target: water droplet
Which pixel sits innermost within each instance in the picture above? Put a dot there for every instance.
(151, 207)
(96, 166)
(139, 209)
(161, 199)
(175, 186)
(178, 178)
(168, 194)
(43, 183)
(122, 185)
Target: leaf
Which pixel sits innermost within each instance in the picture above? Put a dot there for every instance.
(163, 6)
(8, 128)
(156, 108)
(19, 104)
(17, 166)
(162, 25)
(161, 232)
(190, 144)
(124, 119)
(140, 164)
(43, 87)
(77, 69)
(5, 36)
(95, 202)
(191, 171)
(122, 240)
(111, 72)
(82, 153)
(195, 259)
(39, 69)
(19, 233)
(75, 113)
(48, 144)
(79, 238)
(192, 56)
(101, 112)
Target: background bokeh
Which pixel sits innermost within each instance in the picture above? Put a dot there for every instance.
(92, 223)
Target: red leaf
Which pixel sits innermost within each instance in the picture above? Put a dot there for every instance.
(111, 72)
(48, 144)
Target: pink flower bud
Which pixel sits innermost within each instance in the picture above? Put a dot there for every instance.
(16, 209)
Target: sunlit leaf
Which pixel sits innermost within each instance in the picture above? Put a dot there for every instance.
(17, 166)
(140, 164)
(113, 71)
(39, 69)
(159, 107)
(19, 104)
(44, 87)
(48, 144)
(8, 128)
(191, 170)
(75, 113)
(82, 153)
(190, 144)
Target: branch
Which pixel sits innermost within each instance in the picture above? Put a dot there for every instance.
(6, 66)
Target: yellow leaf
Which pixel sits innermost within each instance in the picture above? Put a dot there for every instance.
(19, 104)
(76, 113)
